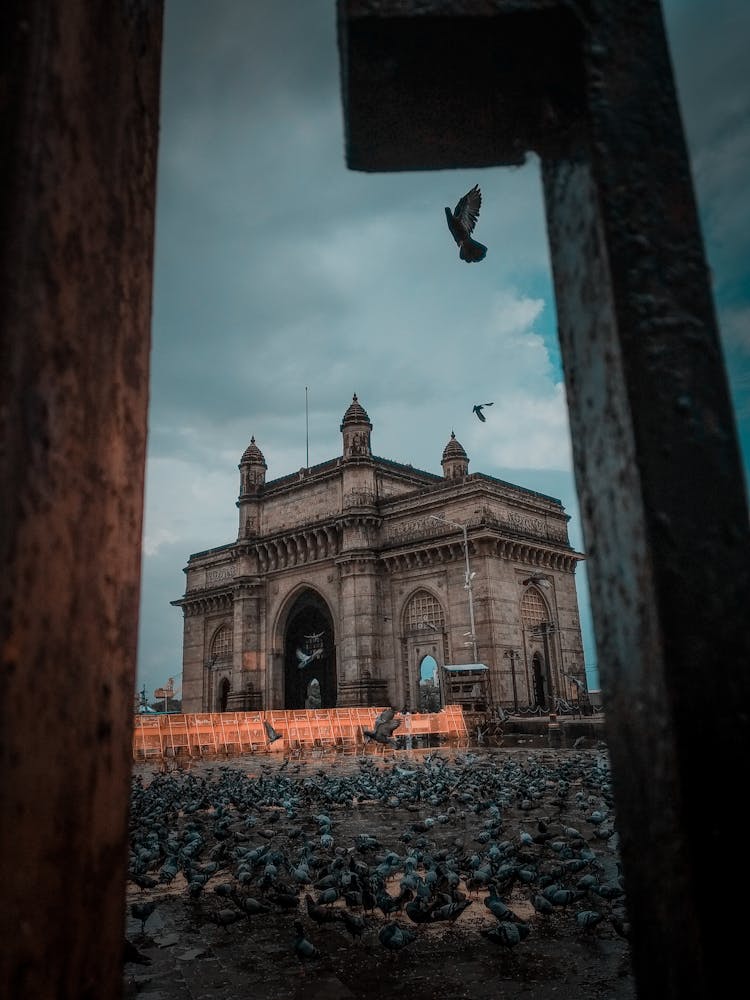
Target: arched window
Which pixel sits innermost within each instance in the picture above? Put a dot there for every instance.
(221, 644)
(533, 608)
(424, 612)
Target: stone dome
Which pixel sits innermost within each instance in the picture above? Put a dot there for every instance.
(455, 461)
(252, 455)
(454, 449)
(355, 414)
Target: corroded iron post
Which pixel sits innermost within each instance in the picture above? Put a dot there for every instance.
(589, 87)
(79, 108)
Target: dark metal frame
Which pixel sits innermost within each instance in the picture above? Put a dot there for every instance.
(588, 86)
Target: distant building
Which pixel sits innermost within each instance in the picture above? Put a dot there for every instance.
(352, 572)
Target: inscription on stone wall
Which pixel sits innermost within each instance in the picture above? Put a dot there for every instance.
(219, 574)
(408, 530)
(360, 498)
(522, 524)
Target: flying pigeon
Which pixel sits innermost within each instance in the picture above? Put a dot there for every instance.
(271, 732)
(307, 658)
(384, 727)
(461, 223)
(478, 410)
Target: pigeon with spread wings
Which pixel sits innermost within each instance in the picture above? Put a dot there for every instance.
(382, 731)
(305, 659)
(461, 222)
(478, 410)
(271, 733)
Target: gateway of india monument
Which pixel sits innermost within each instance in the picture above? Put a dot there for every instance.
(362, 581)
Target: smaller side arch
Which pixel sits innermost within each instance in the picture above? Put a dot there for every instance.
(222, 694)
(430, 692)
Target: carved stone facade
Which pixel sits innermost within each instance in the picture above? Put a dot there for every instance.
(352, 572)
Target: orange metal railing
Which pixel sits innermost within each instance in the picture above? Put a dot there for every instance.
(234, 733)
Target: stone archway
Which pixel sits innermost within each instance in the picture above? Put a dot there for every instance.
(309, 654)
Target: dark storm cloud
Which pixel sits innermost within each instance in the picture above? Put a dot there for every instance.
(709, 43)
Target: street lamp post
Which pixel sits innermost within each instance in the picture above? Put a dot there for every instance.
(467, 584)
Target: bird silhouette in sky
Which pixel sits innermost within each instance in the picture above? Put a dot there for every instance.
(461, 222)
(478, 410)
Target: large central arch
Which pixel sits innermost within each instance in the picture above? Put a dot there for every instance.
(309, 633)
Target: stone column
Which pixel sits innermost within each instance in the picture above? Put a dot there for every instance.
(193, 661)
(249, 612)
(360, 628)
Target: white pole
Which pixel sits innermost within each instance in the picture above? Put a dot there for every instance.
(307, 434)
(471, 600)
(445, 520)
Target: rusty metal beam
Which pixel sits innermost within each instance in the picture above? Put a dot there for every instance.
(657, 462)
(79, 107)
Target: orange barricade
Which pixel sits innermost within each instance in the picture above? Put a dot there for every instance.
(147, 737)
(202, 735)
(234, 733)
(252, 732)
(176, 738)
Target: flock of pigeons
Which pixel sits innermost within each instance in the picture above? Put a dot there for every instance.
(520, 841)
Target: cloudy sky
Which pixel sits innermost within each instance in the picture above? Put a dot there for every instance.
(277, 268)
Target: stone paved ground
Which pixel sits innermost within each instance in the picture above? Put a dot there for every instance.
(191, 958)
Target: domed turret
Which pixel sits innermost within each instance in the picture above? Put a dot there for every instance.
(252, 469)
(252, 477)
(356, 429)
(455, 461)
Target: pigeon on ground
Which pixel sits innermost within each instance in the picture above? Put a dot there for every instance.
(143, 881)
(461, 222)
(304, 949)
(507, 933)
(353, 923)
(394, 937)
(588, 919)
(317, 912)
(478, 410)
(450, 911)
(224, 918)
(142, 911)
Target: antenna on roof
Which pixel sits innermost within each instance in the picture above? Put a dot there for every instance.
(307, 434)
